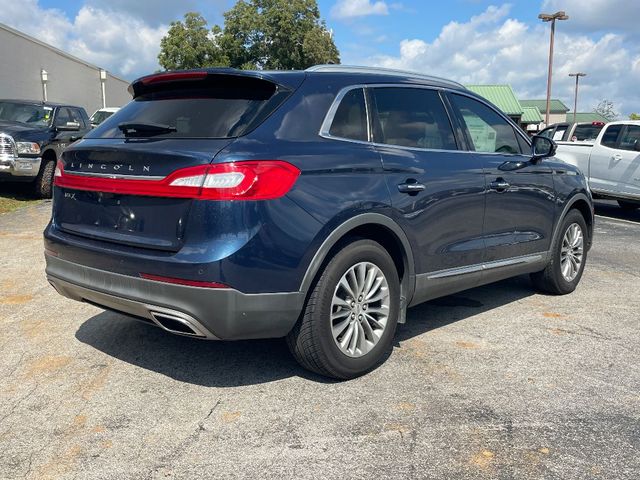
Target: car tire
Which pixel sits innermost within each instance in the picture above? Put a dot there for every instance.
(43, 185)
(563, 272)
(341, 338)
(628, 205)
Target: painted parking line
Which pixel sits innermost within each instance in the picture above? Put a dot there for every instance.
(614, 219)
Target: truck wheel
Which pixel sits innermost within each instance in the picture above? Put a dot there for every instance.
(568, 257)
(350, 317)
(44, 180)
(628, 205)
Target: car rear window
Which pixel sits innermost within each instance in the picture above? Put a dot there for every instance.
(583, 133)
(223, 107)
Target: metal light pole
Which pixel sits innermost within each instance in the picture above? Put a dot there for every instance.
(103, 79)
(545, 17)
(44, 76)
(575, 100)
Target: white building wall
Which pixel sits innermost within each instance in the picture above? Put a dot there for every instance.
(71, 80)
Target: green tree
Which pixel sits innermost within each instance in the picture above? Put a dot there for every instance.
(264, 34)
(634, 116)
(606, 109)
(277, 34)
(190, 44)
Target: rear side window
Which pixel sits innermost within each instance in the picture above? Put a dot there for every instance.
(583, 133)
(412, 117)
(610, 136)
(630, 138)
(350, 120)
(222, 106)
(488, 131)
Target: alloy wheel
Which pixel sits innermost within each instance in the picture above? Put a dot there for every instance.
(360, 309)
(572, 252)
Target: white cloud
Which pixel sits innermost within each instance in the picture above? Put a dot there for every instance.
(345, 9)
(113, 39)
(492, 48)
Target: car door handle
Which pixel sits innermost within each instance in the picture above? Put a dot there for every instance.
(499, 185)
(411, 186)
(616, 156)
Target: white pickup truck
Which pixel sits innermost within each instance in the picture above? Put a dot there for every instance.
(611, 163)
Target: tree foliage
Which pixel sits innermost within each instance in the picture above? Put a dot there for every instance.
(634, 116)
(190, 44)
(606, 109)
(264, 34)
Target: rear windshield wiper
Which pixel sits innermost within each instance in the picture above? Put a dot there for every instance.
(148, 128)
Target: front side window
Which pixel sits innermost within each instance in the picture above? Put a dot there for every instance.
(488, 131)
(630, 138)
(412, 117)
(547, 132)
(610, 136)
(63, 117)
(350, 120)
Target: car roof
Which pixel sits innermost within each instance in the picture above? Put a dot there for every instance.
(377, 74)
(343, 73)
(39, 102)
(625, 122)
(108, 109)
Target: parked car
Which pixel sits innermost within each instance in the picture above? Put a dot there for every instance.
(101, 115)
(33, 136)
(316, 205)
(610, 162)
(573, 132)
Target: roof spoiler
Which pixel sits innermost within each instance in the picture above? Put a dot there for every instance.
(285, 79)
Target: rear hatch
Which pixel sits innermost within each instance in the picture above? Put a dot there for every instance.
(126, 182)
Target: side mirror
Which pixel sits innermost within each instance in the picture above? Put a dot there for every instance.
(542, 147)
(69, 127)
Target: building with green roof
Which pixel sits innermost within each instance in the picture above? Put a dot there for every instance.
(557, 109)
(501, 96)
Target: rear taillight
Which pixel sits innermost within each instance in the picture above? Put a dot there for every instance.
(250, 180)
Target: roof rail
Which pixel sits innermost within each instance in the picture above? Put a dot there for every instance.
(380, 70)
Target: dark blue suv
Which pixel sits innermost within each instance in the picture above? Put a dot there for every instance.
(315, 205)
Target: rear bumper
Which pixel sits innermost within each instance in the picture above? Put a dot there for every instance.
(223, 314)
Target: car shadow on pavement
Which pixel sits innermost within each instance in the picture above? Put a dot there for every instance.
(231, 364)
(443, 311)
(612, 210)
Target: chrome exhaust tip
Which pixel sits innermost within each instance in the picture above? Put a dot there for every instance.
(174, 323)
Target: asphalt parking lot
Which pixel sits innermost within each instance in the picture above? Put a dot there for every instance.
(496, 382)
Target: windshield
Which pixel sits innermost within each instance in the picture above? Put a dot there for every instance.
(30, 114)
(100, 116)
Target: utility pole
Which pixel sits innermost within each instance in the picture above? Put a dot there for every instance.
(575, 99)
(545, 17)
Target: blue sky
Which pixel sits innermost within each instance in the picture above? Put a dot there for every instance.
(472, 41)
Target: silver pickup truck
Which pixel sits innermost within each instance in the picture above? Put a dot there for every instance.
(611, 163)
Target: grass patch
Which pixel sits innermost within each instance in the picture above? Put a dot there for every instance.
(15, 196)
